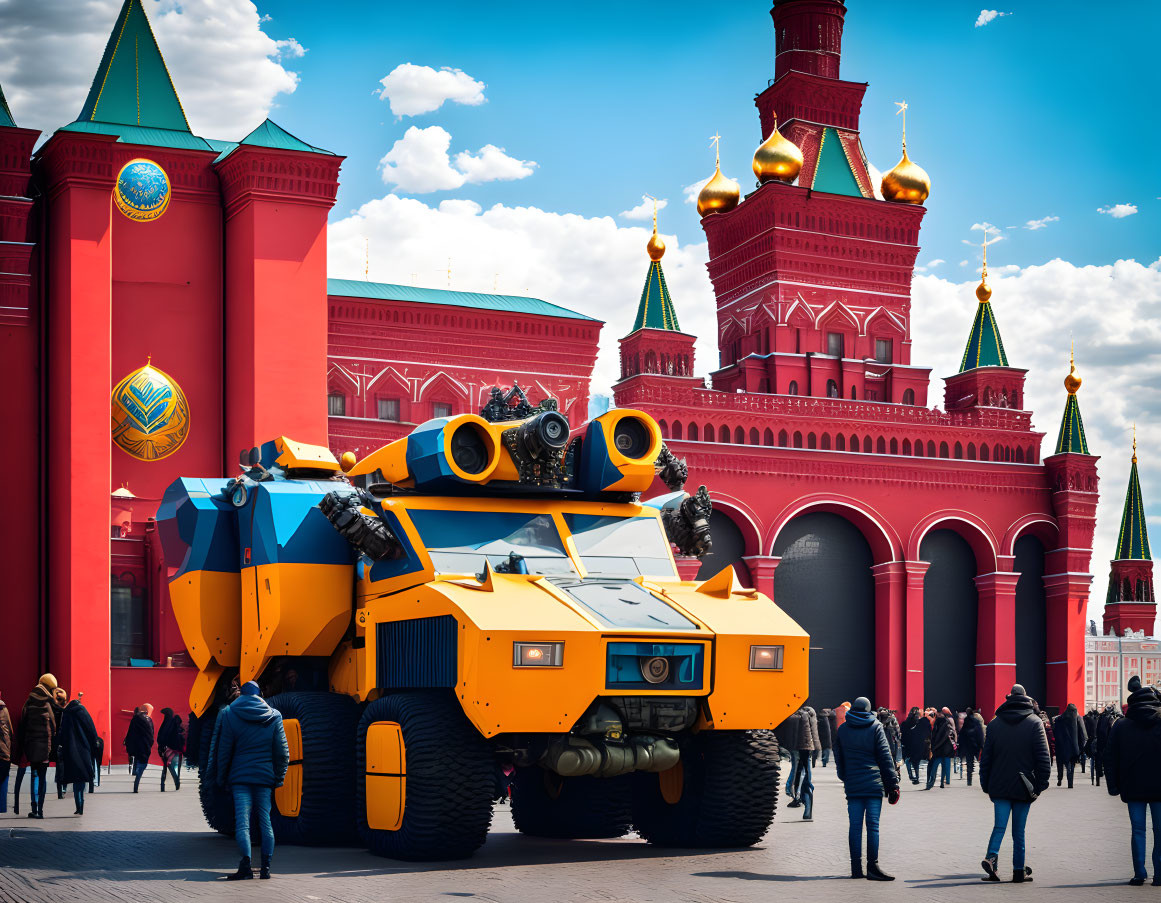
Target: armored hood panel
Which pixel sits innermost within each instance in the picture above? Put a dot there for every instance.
(623, 604)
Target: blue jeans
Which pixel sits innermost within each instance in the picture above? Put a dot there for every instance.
(792, 772)
(858, 809)
(246, 797)
(4, 768)
(138, 771)
(79, 793)
(1019, 815)
(934, 765)
(825, 757)
(39, 784)
(1137, 820)
(804, 786)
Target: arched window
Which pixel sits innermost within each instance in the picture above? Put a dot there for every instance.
(739, 436)
(840, 442)
(997, 452)
(867, 444)
(894, 446)
(677, 429)
(768, 437)
(723, 433)
(811, 441)
(753, 436)
(693, 433)
(797, 439)
(983, 452)
(832, 390)
(906, 446)
(881, 445)
(1019, 454)
(1031, 456)
(664, 429)
(783, 439)
(930, 449)
(792, 389)
(919, 448)
(943, 453)
(958, 450)
(854, 394)
(824, 442)
(909, 396)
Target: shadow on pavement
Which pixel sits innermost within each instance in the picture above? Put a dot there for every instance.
(755, 876)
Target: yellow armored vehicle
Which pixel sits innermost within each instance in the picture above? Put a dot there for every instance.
(484, 609)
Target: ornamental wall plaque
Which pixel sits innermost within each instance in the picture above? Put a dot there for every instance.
(150, 414)
(142, 191)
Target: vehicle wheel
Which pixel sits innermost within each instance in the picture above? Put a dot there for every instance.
(723, 792)
(544, 804)
(425, 778)
(217, 802)
(315, 805)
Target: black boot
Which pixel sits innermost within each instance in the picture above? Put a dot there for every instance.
(1019, 877)
(857, 868)
(989, 865)
(265, 873)
(244, 871)
(874, 873)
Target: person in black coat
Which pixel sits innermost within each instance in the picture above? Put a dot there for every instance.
(139, 741)
(1132, 761)
(1104, 724)
(77, 742)
(60, 698)
(826, 729)
(1090, 723)
(1068, 727)
(971, 741)
(863, 761)
(916, 732)
(942, 749)
(1015, 769)
(170, 747)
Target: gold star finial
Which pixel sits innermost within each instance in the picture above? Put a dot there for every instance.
(1134, 442)
(902, 105)
(716, 144)
(650, 197)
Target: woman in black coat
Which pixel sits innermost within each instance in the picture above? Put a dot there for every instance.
(1015, 768)
(971, 741)
(1068, 727)
(916, 733)
(942, 749)
(139, 741)
(1131, 760)
(170, 746)
(77, 744)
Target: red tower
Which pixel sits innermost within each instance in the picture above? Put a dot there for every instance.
(1130, 603)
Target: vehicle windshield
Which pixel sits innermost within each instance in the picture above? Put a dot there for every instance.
(460, 542)
(620, 546)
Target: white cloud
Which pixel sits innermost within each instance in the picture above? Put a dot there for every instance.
(412, 90)
(987, 15)
(226, 69)
(644, 210)
(1035, 224)
(1118, 211)
(936, 262)
(690, 192)
(419, 162)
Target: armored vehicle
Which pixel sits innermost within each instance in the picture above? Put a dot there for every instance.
(484, 609)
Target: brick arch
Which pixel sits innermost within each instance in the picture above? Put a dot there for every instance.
(743, 518)
(974, 531)
(1041, 526)
(880, 535)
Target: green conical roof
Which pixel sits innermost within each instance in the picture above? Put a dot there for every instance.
(5, 113)
(985, 348)
(132, 85)
(1133, 540)
(655, 311)
(1071, 438)
(832, 170)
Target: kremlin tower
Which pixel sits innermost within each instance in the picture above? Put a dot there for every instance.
(1130, 603)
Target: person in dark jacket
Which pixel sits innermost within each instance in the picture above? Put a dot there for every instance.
(1090, 722)
(916, 733)
(863, 761)
(139, 741)
(6, 745)
(170, 746)
(1015, 768)
(37, 738)
(251, 757)
(1105, 721)
(942, 749)
(60, 698)
(1132, 761)
(971, 741)
(894, 735)
(826, 729)
(1068, 727)
(76, 745)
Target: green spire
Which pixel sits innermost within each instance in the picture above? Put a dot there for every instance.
(5, 113)
(1133, 540)
(985, 348)
(832, 169)
(655, 310)
(1071, 438)
(132, 85)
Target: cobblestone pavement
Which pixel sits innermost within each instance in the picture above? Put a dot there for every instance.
(152, 847)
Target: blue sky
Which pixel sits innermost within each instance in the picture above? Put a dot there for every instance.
(1044, 112)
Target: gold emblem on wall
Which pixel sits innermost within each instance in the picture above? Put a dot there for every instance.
(142, 191)
(150, 414)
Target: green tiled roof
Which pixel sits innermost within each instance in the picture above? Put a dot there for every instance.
(985, 348)
(515, 304)
(832, 172)
(5, 113)
(1071, 438)
(140, 134)
(1133, 540)
(655, 310)
(269, 134)
(132, 85)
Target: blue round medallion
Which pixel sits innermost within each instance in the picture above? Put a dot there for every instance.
(142, 191)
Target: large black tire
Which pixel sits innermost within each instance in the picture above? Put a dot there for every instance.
(546, 805)
(450, 781)
(327, 811)
(728, 793)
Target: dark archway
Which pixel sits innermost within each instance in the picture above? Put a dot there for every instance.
(729, 545)
(1031, 618)
(950, 612)
(824, 582)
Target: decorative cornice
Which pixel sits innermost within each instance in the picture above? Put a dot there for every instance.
(252, 173)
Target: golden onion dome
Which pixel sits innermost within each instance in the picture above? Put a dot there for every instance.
(777, 158)
(984, 291)
(1072, 381)
(720, 195)
(907, 183)
(655, 246)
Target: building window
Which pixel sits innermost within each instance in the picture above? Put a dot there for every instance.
(337, 405)
(832, 390)
(792, 389)
(389, 409)
(440, 409)
(908, 396)
(883, 351)
(834, 343)
(128, 637)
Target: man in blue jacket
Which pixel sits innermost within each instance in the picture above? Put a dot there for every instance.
(251, 757)
(863, 761)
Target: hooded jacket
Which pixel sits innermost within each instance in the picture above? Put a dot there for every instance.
(891, 729)
(942, 737)
(38, 726)
(916, 736)
(171, 734)
(1105, 722)
(1015, 744)
(1132, 757)
(810, 740)
(5, 733)
(250, 747)
(1068, 727)
(971, 738)
(77, 745)
(826, 728)
(139, 737)
(862, 757)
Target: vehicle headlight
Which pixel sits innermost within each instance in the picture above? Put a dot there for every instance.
(766, 658)
(537, 655)
(655, 669)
